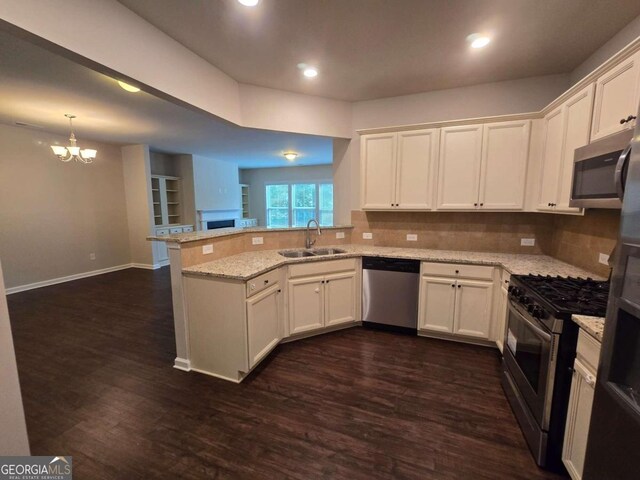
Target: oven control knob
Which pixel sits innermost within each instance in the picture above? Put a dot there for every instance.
(532, 308)
(539, 313)
(514, 291)
(524, 300)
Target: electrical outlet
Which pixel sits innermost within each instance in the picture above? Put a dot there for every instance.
(527, 242)
(339, 234)
(367, 236)
(207, 249)
(257, 240)
(412, 237)
(604, 259)
(92, 256)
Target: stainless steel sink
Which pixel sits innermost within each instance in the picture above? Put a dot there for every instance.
(296, 253)
(316, 252)
(327, 251)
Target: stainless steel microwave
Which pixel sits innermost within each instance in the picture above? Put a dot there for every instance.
(599, 172)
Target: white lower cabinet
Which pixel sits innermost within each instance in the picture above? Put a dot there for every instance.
(306, 304)
(580, 403)
(455, 305)
(264, 324)
(501, 314)
(321, 294)
(472, 311)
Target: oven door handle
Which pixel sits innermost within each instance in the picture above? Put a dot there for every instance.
(533, 326)
(617, 176)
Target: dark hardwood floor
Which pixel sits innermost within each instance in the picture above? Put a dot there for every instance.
(95, 356)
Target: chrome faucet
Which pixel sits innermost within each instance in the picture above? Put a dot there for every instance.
(308, 243)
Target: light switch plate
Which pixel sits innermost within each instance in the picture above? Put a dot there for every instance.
(339, 234)
(92, 256)
(604, 259)
(412, 237)
(367, 236)
(207, 249)
(257, 240)
(527, 242)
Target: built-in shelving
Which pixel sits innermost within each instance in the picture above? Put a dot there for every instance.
(165, 191)
(244, 200)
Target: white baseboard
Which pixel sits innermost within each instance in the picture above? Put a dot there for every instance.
(182, 364)
(68, 278)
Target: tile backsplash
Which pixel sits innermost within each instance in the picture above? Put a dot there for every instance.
(577, 240)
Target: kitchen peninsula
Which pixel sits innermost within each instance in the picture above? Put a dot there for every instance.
(234, 305)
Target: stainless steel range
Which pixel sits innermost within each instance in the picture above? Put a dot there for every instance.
(540, 349)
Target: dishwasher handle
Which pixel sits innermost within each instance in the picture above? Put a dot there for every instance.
(391, 264)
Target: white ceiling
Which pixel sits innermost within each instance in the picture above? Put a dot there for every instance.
(38, 87)
(369, 49)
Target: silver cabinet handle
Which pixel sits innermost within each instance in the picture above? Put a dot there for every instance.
(590, 379)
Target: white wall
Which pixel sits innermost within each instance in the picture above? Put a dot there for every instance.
(13, 434)
(257, 178)
(122, 44)
(137, 185)
(615, 44)
(216, 184)
(54, 214)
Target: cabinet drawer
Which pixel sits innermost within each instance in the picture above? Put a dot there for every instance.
(188, 229)
(588, 351)
(162, 231)
(320, 268)
(175, 230)
(265, 280)
(456, 270)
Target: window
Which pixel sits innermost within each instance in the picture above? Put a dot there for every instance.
(293, 205)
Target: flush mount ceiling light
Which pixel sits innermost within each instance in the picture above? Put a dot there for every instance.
(308, 70)
(291, 156)
(73, 152)
(478, 40)
(128, 88)
(249, 3)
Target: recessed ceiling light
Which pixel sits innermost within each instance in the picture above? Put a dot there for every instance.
(249, 3)
(310, 72)
(478, 40)
(291, 156)
(128, 88)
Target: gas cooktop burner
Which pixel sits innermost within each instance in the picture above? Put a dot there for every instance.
(583, 296)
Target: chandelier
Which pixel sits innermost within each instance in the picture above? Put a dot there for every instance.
(73, 152)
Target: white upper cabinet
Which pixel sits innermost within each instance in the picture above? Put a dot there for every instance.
(551, 158)
(565, 129)
(578, 111)
(483, 166)
(397, 170)
(459, 167)
(503, 172)
(417, 157)
(617, 96)
(378, 170)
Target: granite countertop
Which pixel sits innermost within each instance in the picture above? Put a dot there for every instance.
(250, 264)
(594, 326)
(226, 232)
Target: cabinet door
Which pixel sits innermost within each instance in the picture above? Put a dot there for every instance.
(459, 167)
(378, 159)
(577, 119)
(501, 318)
(617, 95)
(436, 304)
(306, 304)
(505, 151)
(473, 308)
(340, 298)
(417, 156)
(264, 326)
(551, 158)
(578, 419)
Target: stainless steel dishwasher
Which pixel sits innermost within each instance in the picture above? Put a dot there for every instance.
(390, 294)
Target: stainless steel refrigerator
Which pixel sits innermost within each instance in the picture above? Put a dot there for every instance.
(613, 448)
